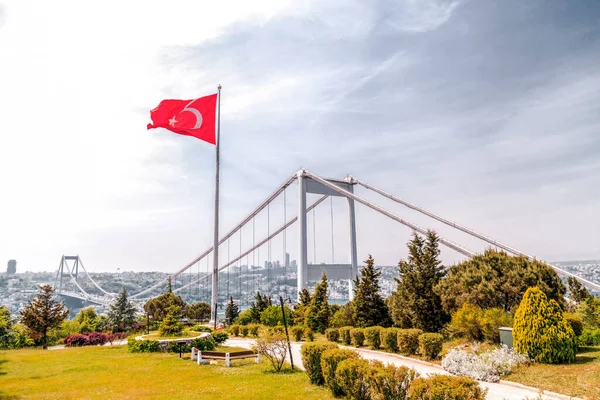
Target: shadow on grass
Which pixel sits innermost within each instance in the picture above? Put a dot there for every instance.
(583, 359)
(586, 349)
(7, 397)
(2, 372)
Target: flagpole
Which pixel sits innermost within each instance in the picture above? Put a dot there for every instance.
(215, 273)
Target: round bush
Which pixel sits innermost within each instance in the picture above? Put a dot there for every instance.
(352, 375)
(444, 387)
(358, 337)
(244, 330)
(235, 330)
(373, 335)
(220, 336)
(329, 362)
(254, 329)
(345, 335)
(311, 360)
(76, 340)
(408, 340)
(390, 341)
(430, 345)
(203, 344)
(332, 334)
(541, 331)
(389, 381)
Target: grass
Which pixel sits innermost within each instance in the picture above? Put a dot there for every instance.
(113, 373)
(579, 379)
(187, 333)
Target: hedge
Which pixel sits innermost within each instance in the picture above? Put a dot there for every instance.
(390, 342)
(408, 340)
(430, 345)
(345, 335)
(445, 387)
(373, 335)
(353, 377)
(311, 359)
(329, 362)
(332, 334)
(358, 337)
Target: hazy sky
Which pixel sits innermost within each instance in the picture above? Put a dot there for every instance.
(485, 112)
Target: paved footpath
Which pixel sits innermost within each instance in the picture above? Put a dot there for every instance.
(502, 390)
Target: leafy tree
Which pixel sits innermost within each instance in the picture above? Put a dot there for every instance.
(198, 311)
(258, 306)
(317, 316)
(87, 319)
(122, 312)
(232, 311)
(496, 279)
(368, 306)
(577, 292)
(272, 316)
(43, 313)
(157, 307)
(6, 328)
(304, 297)
(541, 330)
(414, 304)
(171, 325)
(589, 313)
(343, 317)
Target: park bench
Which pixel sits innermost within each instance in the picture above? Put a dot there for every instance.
(204, 357)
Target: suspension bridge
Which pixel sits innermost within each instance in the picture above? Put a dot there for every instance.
(240, 277)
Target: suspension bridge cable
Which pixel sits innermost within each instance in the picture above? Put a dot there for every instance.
(314, 238)
(332, 244)
(269, 250)
(228, 259)
(284, 247)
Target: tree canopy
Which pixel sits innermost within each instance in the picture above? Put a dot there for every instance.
(121, 314)
(43, 313)
(157, 307)
(317, 316)
(368, 307)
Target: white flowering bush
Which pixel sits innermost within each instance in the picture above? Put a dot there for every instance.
(488, 366)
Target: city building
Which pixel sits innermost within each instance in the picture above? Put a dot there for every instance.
(12, 267)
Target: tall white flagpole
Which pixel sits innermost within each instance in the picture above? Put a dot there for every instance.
(215, 272)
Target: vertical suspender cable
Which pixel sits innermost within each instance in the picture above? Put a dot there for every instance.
(332, 244)
(314, 238)
(228, 268)
(269, 250)
(284, 246)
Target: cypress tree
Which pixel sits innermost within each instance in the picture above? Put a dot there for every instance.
(577, 292)
(232, 311)
(171, 324)
(415, 304)
(304, 297)
(121, 314)
(368, 307)
(43, 313)
(317, 317)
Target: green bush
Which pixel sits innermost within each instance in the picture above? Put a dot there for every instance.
(430, 345)
(310, 336)
(311, 360)
(389, 382)
(277, 329)
(273, 316)
(254, 329)
(466, 321)
(203, 344)
(332, 334)
(142, 346)
(235, 330)
(408, 340)
(297, 333)
(541, 330)
(390, 341)
(329, 362)
(373, 335)
(575, 321)
(202, 328)
(352, 376)
(446, 387)
(345, 335)
(493, 319)
(589, 337)
(220, 336)
(245, 317)
(358, 337)
(244, 330)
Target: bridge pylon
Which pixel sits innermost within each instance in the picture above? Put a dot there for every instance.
(70, 271)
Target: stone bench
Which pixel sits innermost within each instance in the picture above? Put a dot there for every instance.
(204, 357)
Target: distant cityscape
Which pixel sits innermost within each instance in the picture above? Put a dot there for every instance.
(240, 282)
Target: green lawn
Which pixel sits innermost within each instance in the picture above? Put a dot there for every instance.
(113, 373)
(579, 379)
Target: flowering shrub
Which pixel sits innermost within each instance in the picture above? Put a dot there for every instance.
(488, 367)
(77, 340)
(97, 338)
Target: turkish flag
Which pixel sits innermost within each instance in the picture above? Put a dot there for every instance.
(187, 117)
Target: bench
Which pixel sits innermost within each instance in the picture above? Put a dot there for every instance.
(204, 357)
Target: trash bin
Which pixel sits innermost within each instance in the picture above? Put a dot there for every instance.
(506, 337)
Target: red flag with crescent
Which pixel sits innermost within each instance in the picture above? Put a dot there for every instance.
(187, 117)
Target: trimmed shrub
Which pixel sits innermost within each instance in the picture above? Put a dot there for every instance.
(390, 342)
(430, 345)
(244, 330)
(202, 328)
(311, 360)
(142, 346)
(329, 362)
(574, 321)
(254, 330)
(358, 337)
(373, 335)
(541, 330)
(445, 387)
(466, 321)
(408, 341)
(220, 336)
(235, 330)
(332, 334)
(310, 336)
(97, 338)
(493, 319)
(297, 333)
(388, 382)
(203, 344)
(345, 335)
(76, 340)
(352, 376)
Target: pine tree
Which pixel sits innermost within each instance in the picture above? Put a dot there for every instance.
(415, 304)
(304, 297)
(368, 307)
(169, 287)
(171, 325)
(43, 313)
(317, 317)
(232, 311)
(577, 292)
(122, 312)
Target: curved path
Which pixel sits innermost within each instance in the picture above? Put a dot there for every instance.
(502, 390)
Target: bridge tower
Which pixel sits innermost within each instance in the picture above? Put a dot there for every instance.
(308, 185)
(70, 271)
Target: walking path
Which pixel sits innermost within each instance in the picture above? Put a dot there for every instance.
(502, 390)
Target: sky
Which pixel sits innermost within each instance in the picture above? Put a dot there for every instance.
(485, 112)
